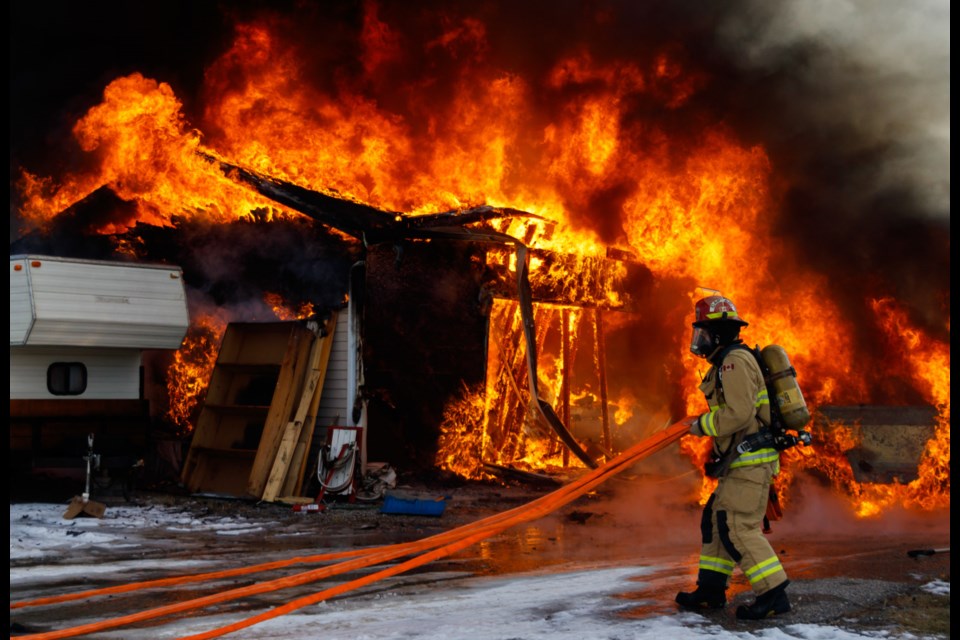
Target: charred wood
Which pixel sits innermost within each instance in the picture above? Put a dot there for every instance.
(523, 476)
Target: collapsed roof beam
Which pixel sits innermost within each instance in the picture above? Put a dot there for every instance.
(359, 220)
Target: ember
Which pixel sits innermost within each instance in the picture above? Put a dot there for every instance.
(633, 165)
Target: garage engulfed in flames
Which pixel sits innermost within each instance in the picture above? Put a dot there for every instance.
(640, 174)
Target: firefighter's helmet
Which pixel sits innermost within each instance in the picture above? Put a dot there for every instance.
(716, 323)
(716, 308)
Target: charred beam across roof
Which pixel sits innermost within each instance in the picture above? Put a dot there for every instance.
(603, 282)
(362, 221)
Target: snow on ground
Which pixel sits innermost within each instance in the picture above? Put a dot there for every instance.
(938, 587)
(574, 604)
(39, 529)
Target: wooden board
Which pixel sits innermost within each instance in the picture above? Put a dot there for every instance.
(312, 388)
(292, 372)
(296, 475)
(306, 434)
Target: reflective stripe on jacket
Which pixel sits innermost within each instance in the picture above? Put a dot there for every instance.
(737, 407)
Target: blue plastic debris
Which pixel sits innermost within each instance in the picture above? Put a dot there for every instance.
(404, 506)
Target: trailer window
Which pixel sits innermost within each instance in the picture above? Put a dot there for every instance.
(67, 378)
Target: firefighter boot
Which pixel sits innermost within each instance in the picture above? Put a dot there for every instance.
(710, 592)
(772, 602)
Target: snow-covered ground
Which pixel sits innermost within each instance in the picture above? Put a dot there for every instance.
(576, 603)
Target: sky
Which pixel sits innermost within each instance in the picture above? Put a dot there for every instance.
(575, 602)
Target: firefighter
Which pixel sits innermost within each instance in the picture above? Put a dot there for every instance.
(732, 519)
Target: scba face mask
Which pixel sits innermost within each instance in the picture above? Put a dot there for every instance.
(701, 343)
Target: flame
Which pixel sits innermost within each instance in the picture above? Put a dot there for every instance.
(139, 145)
(928, 364)
(462, 435)
(564, 143)
(189, 373)
(282, 310)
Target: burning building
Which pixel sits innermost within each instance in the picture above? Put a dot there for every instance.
(634, 152)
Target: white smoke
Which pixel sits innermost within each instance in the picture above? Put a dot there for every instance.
(873, 74)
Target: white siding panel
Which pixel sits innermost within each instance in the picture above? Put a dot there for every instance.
(21, 312)
(112, 304)
(112, 374)
(333, 398)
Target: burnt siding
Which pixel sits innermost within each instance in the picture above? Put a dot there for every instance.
(424, 339)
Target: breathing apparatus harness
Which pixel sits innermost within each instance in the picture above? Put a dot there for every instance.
(776, 434)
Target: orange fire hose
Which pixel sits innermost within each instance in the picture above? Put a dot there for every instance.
(440, 544)
(198, 577)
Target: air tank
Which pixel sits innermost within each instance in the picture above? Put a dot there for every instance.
(783, 376)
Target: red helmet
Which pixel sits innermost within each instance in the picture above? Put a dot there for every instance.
(713, 308)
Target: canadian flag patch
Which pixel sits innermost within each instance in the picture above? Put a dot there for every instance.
(726, 367)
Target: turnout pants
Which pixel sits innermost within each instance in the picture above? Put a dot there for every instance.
(732, 530)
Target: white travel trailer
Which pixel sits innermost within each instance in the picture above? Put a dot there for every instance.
(77, 332)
